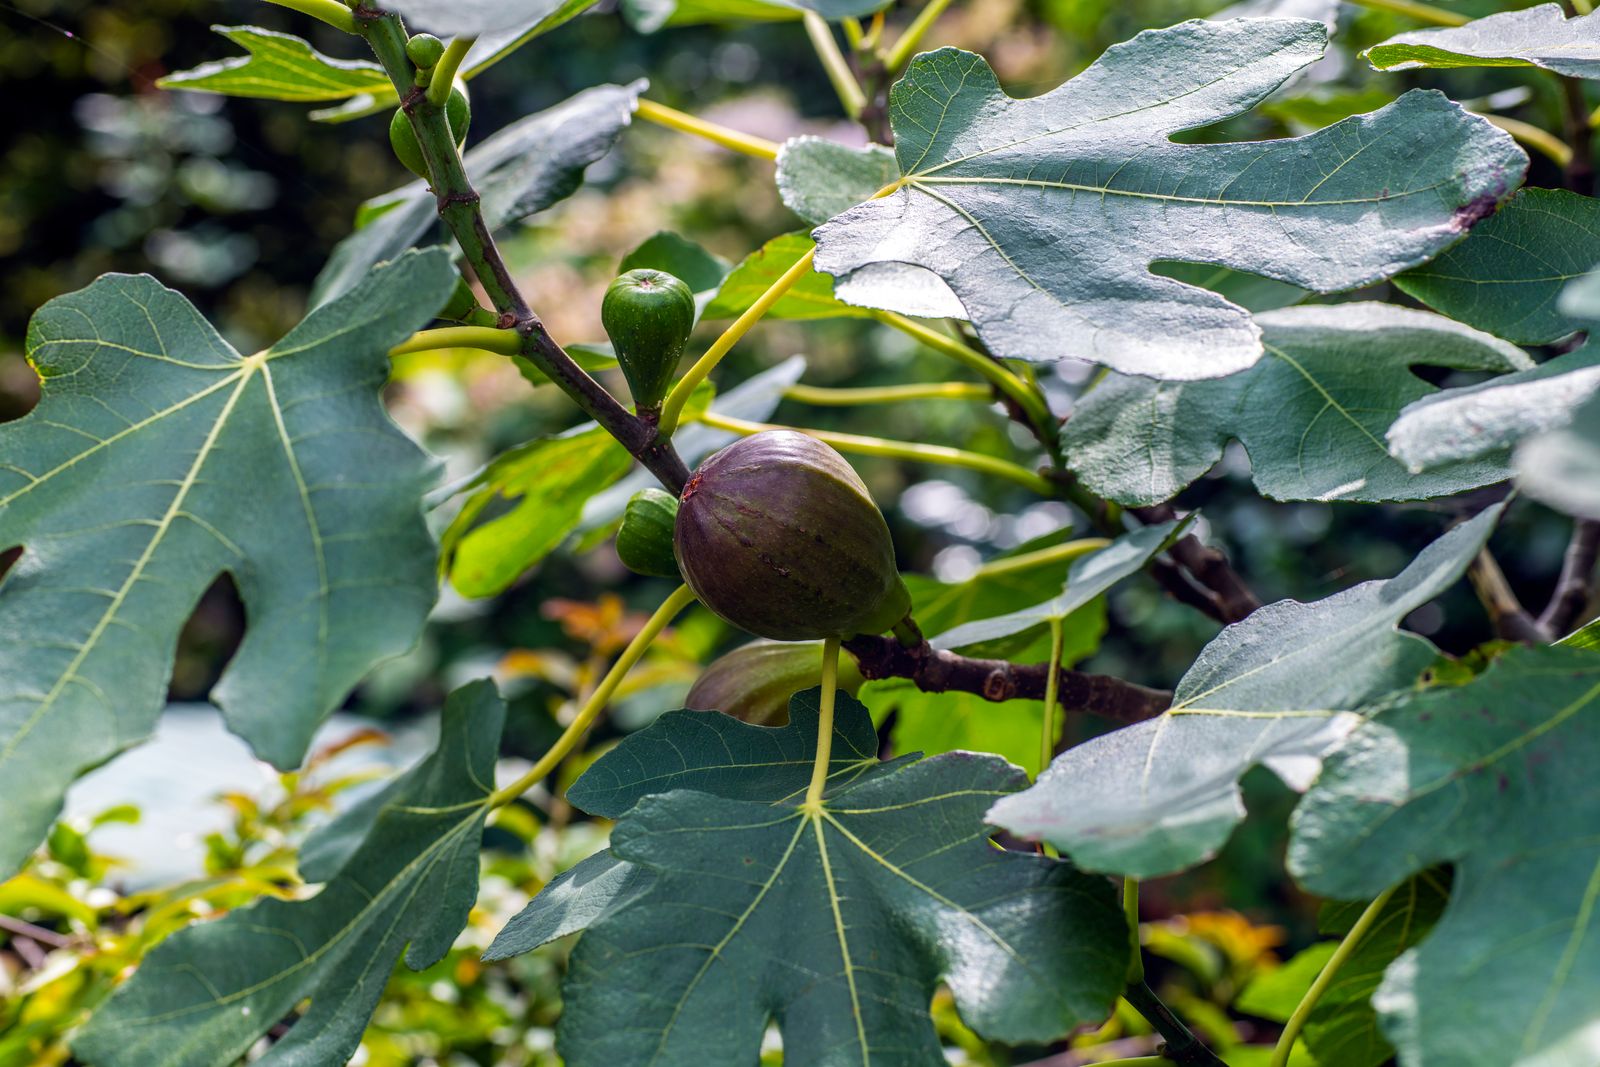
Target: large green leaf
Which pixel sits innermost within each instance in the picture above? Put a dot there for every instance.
(279, 66)
(1163, 795)
(1311, 414)
(160, 458)
(835, 923)
(1044, 214)
(1540, 36)
(1497, 778)
(1485, 420)
(524, 168)
(211, 991)
(1508, 275)
(810, 298)
(1562, 467)
(1088, 577)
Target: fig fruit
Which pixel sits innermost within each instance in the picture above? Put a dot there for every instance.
(777, 534)
(403, 139)
(425, 50)
(648, 315)
(754, 682)
(644, 543)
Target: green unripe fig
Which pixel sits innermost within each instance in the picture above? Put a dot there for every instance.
(644, 543)
(403, 139)
(425, 50)
(754, 682)
(648, 315)
(777, 535)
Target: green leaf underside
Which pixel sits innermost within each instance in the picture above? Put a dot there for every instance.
(1485, 420)
(1508, 275)
(1496, 778)
(1537, 37)
(1311, 414)
(809, 298)
(279, 66)
(1043, 214)
(838, 924)
(1162, 795)
(486, 51)
(1562, 468)
(1343, 1028)
(209, 992)
(160, 458)
(523, 169)
(545, 484)
(1087, 578)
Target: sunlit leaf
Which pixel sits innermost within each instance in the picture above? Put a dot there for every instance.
(1495, 777)
(160, 458)
(1043, 214)
(209, 992)
(810, 298)
(1540, 36)
(1311, 414)
(1162, 795)
(279, 66)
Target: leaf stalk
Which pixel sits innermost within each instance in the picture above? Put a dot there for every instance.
(830, 691)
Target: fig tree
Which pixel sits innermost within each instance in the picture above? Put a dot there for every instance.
(425, 50)
(648, 315)
(403, 139)
(777, 534)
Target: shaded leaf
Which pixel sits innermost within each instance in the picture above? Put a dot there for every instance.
(1497, 778)
(473, 18)
(1162, 795)
(1044, 214)
(159, 458)
(574, 900)
(1540, 36)
(834, 923)
(1311, 414)
(1485, 420)
(648, 16)
(1250, 291)
(279, 66)
(544, 484)
(524, 168)
(698, 269)
(810, 298)
(1276, 993)
(1088, 577)
(209, 992)
(1508, 275)
(1562, 467)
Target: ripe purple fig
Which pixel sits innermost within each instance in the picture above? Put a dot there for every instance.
(754, 682)
(777, 534)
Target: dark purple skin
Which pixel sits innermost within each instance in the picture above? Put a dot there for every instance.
(777, 534)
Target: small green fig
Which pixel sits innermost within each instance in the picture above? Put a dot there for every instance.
(648, 315)
(754, 682)
(403, 139)
(425, 50)
(777, 534)
(644, 543)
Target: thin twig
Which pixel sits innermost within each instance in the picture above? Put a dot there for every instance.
(1231, 597)
(1571, 594)
(1511, 620)
(1182, 1047)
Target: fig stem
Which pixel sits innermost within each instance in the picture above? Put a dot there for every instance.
(830, 690)
(887, 394)
(332, 12)
(900, 53)
(672, 407)
(673, 119)
(500, 342)
(444, 71)
(1291, 1029)
(1419, 11)
(1130, 909)
(1052, 685)
(681, 598)
(877, 446)
(1065, 552)
(837, 67)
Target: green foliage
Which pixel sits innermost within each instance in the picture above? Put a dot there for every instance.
(160, 457)
(1091, 166)
(280, 66)
(1489, 777)
(1541, 36)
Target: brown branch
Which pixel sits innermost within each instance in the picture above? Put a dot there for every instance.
(1511, 620)
(938, 671)
(1230, 597)
(1571, 594)
(461, 210)
(1181, 1046)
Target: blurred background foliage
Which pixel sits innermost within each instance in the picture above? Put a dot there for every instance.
(238, 202)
